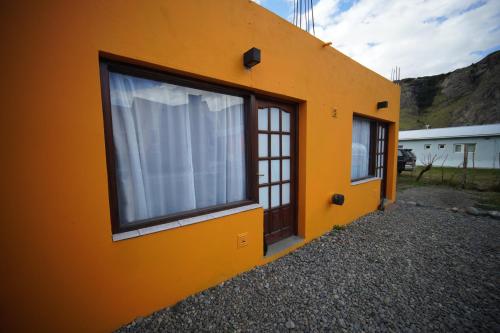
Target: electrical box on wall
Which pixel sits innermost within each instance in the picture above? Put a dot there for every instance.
(242, 239)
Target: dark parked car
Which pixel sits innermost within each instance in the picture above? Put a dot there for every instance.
(406, 160)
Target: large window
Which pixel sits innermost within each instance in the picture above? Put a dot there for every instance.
(175, 150)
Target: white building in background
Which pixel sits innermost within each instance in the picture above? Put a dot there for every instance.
(482, 143)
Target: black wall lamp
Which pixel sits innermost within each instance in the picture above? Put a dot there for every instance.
(382, 105)
(338, 199)
(251, 57)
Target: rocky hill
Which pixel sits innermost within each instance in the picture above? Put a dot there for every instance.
(466, 96)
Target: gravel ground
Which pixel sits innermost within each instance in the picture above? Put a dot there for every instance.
(440, 196)
(411, 269)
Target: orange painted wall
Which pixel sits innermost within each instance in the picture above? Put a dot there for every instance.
(60, 269)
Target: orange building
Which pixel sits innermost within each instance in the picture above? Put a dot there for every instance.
(144, 162)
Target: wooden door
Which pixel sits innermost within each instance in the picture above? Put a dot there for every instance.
(277, 131)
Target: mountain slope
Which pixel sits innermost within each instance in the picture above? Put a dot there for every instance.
(466, 96)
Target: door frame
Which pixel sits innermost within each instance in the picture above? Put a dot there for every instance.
(264, 101)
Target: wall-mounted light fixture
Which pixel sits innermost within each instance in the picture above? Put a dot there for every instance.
(251, 57)
(338, 199)
(382, 105)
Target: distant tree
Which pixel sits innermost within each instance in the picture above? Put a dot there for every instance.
(427, 161)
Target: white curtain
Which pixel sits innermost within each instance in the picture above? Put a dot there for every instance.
(177, 148)
(360, 148)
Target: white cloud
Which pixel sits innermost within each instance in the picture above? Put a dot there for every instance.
(423, 37)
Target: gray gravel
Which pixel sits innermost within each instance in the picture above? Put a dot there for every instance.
(411, 269)
(439, 196)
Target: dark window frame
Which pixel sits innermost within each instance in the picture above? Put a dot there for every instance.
(372, 160)
(147, 71)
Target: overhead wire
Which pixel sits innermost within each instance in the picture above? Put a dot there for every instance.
(304, 9)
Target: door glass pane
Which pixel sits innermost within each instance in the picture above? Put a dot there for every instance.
(285, 121)
(263, 120)
(275, 119)
(285, 193)
(263, 172)
(285, 148)
(286, 169)
(275, 196)
(263, 145)
(275, 145)
(275, 171)
(264, 196)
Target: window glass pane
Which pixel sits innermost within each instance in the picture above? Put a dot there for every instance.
(285, 148)
(263, 172)
(458, 148)
(174, 145)
(285, 121)
(263, 119)
(275, 145)
(275, 171)
(285, 169)
(360, 147)
(471, 147)
(275, 195)
(275, 119)
(285, 194)
(263, 145)
(264, 196)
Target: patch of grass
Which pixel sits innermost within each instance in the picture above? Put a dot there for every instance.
(338, 227)
(489, 201)
(477, 179)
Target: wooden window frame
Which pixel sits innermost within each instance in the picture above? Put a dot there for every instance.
(151, 72)
(373, 149)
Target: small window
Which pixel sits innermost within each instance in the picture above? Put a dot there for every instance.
(362, 141)
(427, 146)
(471, 147)
(400, 146)
(441, 146)
(458, 148)
(368, 148)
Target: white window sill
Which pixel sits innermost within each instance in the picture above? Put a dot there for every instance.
(362, 181)
(180, 223)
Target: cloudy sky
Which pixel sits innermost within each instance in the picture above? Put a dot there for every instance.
(423, 37)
